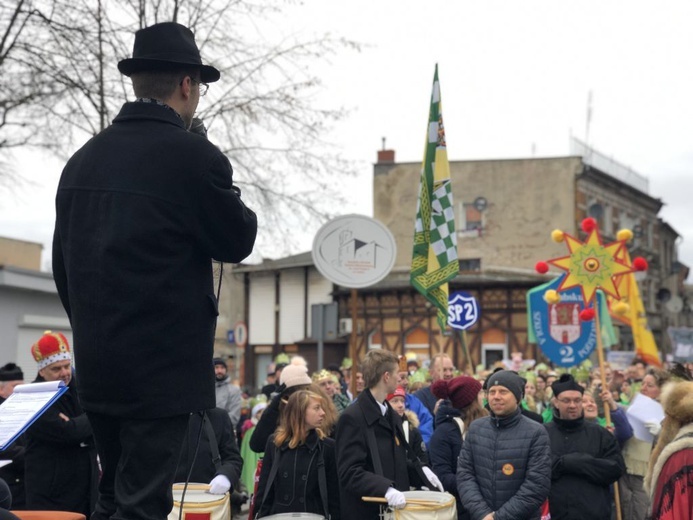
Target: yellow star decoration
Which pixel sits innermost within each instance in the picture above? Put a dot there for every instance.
(591, 265)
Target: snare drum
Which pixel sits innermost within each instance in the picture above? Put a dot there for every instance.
(199, 502)
(442, 507)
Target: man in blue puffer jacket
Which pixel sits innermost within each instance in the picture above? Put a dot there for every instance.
(504, 469)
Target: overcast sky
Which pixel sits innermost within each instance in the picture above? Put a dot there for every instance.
(515, 78)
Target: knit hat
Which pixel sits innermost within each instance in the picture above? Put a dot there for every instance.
(218, 361)
(566, 382)
(399, 392)
(11, 372)
(258, 407)
(509, 380)
(52, 347)
(295, 374)
(460, 390)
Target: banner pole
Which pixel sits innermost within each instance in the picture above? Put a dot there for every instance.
(602, 375)
(352, 342)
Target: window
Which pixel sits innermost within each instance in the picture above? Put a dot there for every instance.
(470, 264)
(468, 218)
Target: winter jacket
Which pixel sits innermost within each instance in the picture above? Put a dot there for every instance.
(427, 399)
(412, 403)
(266, 426)
(141, 211)
(671, 478)
(586, 460)
(204, 469)
(444, 450)
(229, 398)
(60, 460)
(504, 467)
(413, 436)
(295, 487)
(356, 467)
(13, 474)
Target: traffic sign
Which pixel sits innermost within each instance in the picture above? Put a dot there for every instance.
(463, 310)
(232, 336)
(240, 333)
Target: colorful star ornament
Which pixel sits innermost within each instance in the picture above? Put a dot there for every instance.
(591, 265)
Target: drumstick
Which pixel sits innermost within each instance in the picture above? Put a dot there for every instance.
(412, 501)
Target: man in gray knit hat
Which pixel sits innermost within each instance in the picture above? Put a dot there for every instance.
(504, 468)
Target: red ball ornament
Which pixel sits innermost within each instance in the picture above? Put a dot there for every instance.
(640, 264)
(589, 225)
(541, 267)
(587, 314)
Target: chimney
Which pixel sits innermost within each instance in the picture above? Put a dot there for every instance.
(386, 156)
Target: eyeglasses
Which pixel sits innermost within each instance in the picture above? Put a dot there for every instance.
(203, 86)
(576, 401)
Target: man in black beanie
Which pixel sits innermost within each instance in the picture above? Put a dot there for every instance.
(504, 468)
(586, 458)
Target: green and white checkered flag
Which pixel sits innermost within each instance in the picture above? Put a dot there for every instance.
(434, 260)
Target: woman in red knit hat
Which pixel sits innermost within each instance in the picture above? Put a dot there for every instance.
(460, 407)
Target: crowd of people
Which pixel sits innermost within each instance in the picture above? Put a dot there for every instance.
(504, 445)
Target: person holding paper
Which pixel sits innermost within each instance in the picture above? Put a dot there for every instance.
(61, 471)
(11, 375)
(635, 503)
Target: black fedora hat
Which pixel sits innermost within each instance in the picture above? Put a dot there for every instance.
(163, 46)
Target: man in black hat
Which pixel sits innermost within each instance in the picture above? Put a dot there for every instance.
(141, 211)
(586, 458)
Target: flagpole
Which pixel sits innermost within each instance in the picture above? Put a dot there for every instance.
(352, 342)
(602, 375)
(465, 350)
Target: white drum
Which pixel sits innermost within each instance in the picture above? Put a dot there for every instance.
(198, 500)
(424, 505)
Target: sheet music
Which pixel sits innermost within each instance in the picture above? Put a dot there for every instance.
(24, 405)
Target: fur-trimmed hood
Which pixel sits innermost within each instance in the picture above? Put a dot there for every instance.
(677, 401)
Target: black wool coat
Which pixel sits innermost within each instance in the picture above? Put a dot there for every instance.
(357, 476)
(204, 469)
(60, 471)
(141, 211)
(586, 460)
(295, 488)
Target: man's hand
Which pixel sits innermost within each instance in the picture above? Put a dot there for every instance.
(219, 485)
(63, 417)
(395, 499)
(432, 478)
(489, 516)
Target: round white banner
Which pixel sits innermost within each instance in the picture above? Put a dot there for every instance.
(354, 251)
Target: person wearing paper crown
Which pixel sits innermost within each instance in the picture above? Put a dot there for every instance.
(61, 473)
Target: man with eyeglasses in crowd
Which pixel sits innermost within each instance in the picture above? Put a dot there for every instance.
(141, 211)
(586, 458)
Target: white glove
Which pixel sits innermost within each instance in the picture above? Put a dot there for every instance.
(654, 427)
(432, 478)
(395, 499)
(219, 485)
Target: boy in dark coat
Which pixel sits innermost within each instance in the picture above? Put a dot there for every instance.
(373, 457)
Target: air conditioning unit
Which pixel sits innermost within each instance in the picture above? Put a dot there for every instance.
(344, 326)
